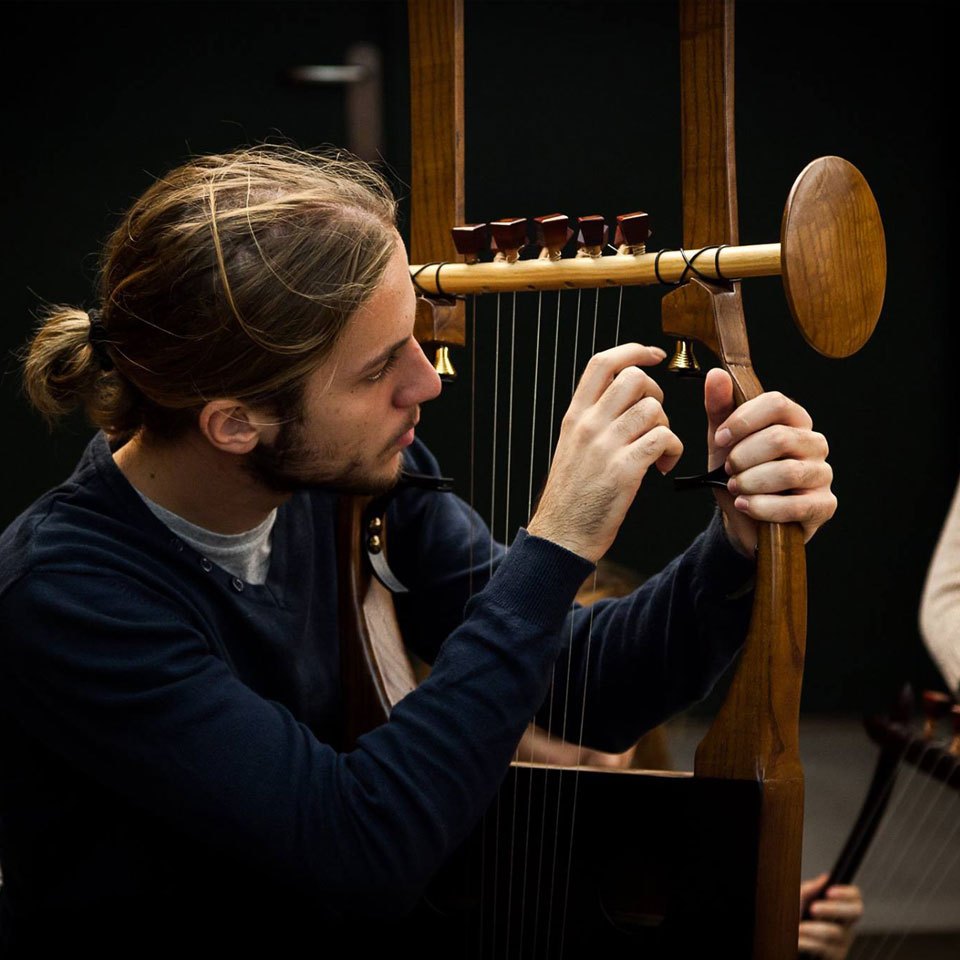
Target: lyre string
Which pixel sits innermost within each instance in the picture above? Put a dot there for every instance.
(506, 540)
(493, 520)
(596, 308)
(566, 691)
(553, 675)
(471, 558)
(893, 827)
(917, 823)
(533, 412)
(473, 435)
(616, 336)
(493, 514)
(513, 346)
(583, 701)
(944, 874)
(555, 888)
(878, 808)
(533, 447)
(493, 468)
(483, 821)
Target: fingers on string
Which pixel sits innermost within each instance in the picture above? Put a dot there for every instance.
(760, 412)
(660, 446)
(629, 386)
(604, 366)
(639, 419)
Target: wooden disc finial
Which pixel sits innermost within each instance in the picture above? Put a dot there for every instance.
(833, 257)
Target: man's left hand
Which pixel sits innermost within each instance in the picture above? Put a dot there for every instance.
(776, 461)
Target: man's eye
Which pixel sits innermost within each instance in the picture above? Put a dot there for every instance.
(384, 370)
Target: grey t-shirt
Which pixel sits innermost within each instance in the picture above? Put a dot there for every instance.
(246, 555)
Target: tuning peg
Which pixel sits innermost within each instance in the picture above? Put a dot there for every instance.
(470, 239)
(553, 231)
(592, 237)
(633, 231)
(509, 238)
(684, 361)
(936, 706)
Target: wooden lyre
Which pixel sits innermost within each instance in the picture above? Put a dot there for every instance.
(723, 851)
(920, 751)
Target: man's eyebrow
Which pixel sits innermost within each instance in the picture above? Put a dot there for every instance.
(385, 355)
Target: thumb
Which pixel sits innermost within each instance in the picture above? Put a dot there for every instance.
(718, 402)
(717, 397)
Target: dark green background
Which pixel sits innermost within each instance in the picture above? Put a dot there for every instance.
(572, 107)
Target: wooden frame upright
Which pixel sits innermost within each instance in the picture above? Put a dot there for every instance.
(747, 767)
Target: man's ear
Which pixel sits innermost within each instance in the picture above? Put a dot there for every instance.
(229, 426)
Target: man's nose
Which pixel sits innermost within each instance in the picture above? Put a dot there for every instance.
(423, 383)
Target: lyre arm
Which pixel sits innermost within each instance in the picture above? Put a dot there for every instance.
(729, 262)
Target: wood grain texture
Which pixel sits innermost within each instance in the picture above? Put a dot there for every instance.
(586, 272)
(755, 733)
(436, 137)
(706, 117)
(834, 257)
(436, 118)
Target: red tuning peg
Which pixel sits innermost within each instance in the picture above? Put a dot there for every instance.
(633, 231)
(470, 239)
(592, 237)
(553, 231)
(509, 238)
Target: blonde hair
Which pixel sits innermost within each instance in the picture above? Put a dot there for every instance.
(232, 276)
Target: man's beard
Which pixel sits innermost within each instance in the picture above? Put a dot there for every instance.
(287, 465)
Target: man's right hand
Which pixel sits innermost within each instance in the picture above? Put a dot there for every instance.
(614, 429)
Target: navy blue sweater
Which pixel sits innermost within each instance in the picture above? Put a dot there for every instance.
(165, 728)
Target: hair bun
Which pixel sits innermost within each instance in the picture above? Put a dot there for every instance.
(99, 340)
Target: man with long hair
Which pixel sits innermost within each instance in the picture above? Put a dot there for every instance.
(169, 669)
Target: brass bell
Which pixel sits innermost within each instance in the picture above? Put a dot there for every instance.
(443, 366)
(684, 361)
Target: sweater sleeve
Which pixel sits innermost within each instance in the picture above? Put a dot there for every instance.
(940, 606)
(112, 676)
(627, 664)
